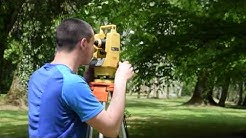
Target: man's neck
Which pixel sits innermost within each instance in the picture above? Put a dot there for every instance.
(67, 59)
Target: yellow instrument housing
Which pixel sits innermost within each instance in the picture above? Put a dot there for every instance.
(109, 54)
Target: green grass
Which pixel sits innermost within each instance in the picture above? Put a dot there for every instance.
(156, 118)
(13, 124)
(159, 118)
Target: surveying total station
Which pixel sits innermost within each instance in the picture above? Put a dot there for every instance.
(105, 61)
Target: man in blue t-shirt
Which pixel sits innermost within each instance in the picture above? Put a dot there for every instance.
(60, 102)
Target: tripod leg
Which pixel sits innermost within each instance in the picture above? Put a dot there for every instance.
(123, 131)
(89, 132)
(100, 134)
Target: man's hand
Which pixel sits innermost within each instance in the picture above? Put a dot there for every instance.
(124, 71)
(89, 74)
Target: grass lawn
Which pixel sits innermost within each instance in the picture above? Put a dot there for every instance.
(155, 118)
(167, 118)
(13, 123)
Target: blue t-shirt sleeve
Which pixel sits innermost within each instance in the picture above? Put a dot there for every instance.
(80, 99)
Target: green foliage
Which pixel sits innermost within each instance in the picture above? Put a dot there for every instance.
(191, 36)
(188, 87)
(27, 35)
(175, 39)
(13, 52)
(170, 39)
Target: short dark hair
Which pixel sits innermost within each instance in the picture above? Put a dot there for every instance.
(70, 32)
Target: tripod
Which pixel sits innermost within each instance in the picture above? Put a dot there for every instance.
(102, 90)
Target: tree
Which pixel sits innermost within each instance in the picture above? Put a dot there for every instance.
(175, 40)
(240, 94)
(224, 92)
(26, 22)
(186, 37)
(198, 94)
(9, 13)
(193, 36)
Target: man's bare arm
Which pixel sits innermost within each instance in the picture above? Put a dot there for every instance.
(108, 121)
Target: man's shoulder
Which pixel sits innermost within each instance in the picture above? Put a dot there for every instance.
(72, 77)
(69, 76)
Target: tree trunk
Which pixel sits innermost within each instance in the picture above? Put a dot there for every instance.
(197, 97)
(240, 94)
(2, 48)
(244, 101)
(168, 91)
(17, 94)
(224, 92)
(180, 89)
(138, 91)
(210, 98)
(149, 90)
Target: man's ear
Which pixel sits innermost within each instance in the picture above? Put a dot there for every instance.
(83, 42)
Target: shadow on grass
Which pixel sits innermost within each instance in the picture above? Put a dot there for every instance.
(183, 128)
(153, 103)
(236, 107)
(155, 118)
(14, 131)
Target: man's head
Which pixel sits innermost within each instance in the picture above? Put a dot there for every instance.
(75, 34)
